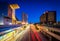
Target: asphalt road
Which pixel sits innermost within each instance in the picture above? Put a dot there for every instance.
(32, 35)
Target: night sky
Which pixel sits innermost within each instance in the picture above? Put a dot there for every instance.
(35, 8)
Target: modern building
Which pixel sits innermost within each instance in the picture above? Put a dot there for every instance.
(43, 18)
(7, 20)
(7, 12)
(49, 17)
(13, 8)
(24, 18)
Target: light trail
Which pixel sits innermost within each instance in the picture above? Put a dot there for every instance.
(33, 37)
(9, 34)
(35, 32)
(21, 35)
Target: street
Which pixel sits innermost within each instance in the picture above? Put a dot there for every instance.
(32, 35)
(30, 32)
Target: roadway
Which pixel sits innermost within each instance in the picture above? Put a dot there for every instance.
(31, 34)
(6, 31)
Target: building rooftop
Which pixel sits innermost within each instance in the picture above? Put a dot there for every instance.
(14, 6)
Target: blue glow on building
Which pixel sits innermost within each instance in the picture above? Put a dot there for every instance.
(3, 11)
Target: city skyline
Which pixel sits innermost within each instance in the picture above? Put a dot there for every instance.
(35, 9)
(29, 20)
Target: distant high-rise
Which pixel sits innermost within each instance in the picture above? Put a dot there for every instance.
(24, 18)
(48, 17)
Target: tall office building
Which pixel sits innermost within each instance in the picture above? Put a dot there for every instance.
(52, 16)
(48, 17)
(24, 18)
(43, 18)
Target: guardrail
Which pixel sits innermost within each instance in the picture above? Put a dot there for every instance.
(12, 35)
(48, 29)
(6, 36)
(54, 29)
